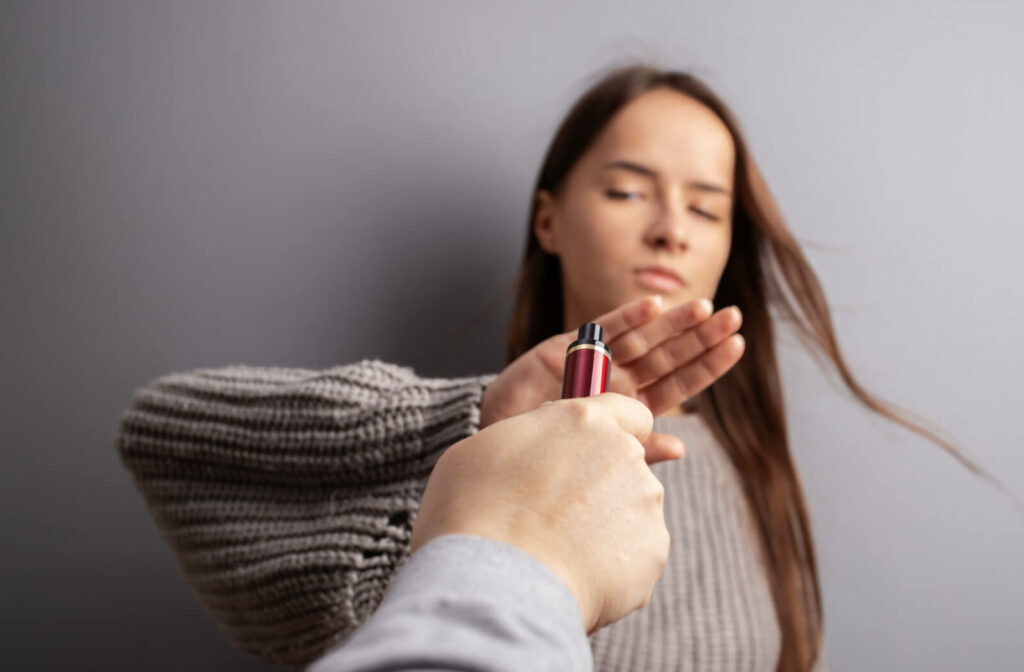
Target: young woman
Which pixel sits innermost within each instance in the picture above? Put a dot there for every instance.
(288, 495)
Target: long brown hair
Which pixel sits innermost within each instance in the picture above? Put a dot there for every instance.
(744, 408)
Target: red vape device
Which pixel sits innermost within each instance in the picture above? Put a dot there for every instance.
(588, 362)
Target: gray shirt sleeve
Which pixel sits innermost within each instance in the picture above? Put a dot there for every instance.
(463, 602)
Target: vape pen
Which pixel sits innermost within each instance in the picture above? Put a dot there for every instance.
(587, 363)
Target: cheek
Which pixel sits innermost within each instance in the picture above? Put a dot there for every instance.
(596, 244)
(711, 256)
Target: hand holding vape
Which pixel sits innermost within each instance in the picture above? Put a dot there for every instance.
(588, 363)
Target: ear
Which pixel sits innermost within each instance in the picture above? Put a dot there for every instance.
(545, 222)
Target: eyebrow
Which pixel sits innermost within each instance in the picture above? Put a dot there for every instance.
(650, 172)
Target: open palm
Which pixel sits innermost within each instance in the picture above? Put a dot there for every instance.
(660, 356)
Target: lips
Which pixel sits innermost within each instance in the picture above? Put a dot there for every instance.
(661, 270)
(659, 279)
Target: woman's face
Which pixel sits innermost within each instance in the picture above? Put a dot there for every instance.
(653, 190)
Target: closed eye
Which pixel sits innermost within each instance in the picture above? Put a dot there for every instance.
(621, 195)
(704, 213)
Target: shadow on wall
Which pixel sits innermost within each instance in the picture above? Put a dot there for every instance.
(440, 301)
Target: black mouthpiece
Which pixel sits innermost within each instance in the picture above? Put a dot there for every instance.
(591, 330)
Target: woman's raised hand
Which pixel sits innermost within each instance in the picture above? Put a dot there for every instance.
(661, 357)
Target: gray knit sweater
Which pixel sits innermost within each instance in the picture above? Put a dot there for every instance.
(288, 497)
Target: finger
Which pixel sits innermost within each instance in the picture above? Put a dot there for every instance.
(630, 414)
(685, 347)
(637, 342)
(689, 380)
(629, 316)
(661, 447)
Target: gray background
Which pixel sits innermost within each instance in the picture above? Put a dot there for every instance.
(305, 184)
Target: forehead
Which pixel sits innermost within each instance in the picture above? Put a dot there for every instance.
(670, 132)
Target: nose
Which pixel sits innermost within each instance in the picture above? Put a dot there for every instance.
(671, 227)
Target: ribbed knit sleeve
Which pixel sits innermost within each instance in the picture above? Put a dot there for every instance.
(288, 495)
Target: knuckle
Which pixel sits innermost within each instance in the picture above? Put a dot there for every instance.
(681, 384)
(577, 411)
(662, 360)
(654, 487)
(659, 492)
(633, 449)
(642, 409)
(633, 406)
(635, 344)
